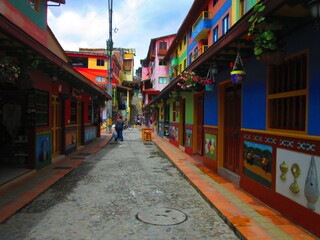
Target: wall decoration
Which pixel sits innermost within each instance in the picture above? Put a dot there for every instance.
(304, 161)
(161, 129)
(210, 145)
(43, 149)
(311, 189)
(188, 138)
(295, 170)
(284, 169)
(90, 134)
(174, 133)
(258, 162)
(71, 141)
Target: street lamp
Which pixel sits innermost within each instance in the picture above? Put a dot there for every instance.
(315, 11)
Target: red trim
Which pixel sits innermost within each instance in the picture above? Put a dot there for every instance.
(210, 163)
(86, 55)
(174, 142)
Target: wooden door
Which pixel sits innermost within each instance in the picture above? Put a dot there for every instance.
(79, 123)
(182, 104)
(199, 122)
(232, 125)
(56, 125)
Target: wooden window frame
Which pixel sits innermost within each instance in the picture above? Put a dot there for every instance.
(288, 97)
(100, 62)
(42, 108)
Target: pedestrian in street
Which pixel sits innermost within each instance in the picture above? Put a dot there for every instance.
(119, 128)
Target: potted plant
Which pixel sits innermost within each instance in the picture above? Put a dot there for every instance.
(190, 81)
(264, 35)
(9, 72)
(238, 73)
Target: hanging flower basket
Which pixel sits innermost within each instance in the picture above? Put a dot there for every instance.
(238, 73)
(238, 76)
(198, 87)
(209, 87)
(190, 81)
(9, 72)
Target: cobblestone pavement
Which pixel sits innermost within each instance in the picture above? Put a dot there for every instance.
(101, 198)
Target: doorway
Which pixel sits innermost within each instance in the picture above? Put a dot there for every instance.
(182, 104)
(198, 121)
(232, 126)
(79, 123)
(56, 125)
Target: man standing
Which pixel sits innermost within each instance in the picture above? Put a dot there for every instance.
(119, 128)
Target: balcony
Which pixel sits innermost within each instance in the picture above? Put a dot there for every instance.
(162, 52)
(175, 62)
(201, 27)
(198, 53)
(127, 68)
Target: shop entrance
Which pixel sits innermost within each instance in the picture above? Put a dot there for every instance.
(232, 125)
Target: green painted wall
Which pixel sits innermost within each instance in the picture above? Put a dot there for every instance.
(38, 18)
(189, 106)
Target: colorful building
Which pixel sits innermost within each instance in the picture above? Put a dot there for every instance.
(257, 123)
(47, 108)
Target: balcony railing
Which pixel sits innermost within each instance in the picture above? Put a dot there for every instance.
(204, 15)
(198, 53)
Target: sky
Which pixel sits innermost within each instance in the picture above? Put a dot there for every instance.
(85, 23)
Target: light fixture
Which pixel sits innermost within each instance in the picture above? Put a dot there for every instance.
(315, 11)
(54, 78)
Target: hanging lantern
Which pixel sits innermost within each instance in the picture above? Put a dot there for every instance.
(238, 73)
(315, 11)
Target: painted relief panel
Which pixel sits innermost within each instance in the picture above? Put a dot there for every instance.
(43, 149)
(174, 133)
(210, 145)
(297, 178)
(161, 129)
(258, 162)
(90, 134)
(71, 142)
(188, 138)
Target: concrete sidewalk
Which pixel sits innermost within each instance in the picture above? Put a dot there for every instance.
(17, 193)
(247, 216)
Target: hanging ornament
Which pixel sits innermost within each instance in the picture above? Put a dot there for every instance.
(210, 79)
(238, 73)
(311, 189)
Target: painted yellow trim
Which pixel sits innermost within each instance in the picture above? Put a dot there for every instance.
(209, 126)
(292, 134)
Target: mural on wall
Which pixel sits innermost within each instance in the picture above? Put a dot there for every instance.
(297, 178)
(43, 149)
(161, 129)
(188, 138)
(71, 141)
(174, 133)
(90, 134)
(210, 145)
(258, 162)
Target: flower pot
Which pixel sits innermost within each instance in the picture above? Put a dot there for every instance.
(209, 87)
(272, 58)
(237, 76)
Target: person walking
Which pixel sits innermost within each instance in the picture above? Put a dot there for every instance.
(119, 128)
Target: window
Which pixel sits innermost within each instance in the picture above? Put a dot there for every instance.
(73, 111)
(190, 58)
(163, 80)
(185, 63)
(180, 46)
(244, 7)
(163, 45)
(287, 94)
(215, 2)
(34, 4)
(100, 79)
(185, 40)
(100, 62)
(162, 62)
(215, 34)
(42, 109)
(195, 55)
(225, 24)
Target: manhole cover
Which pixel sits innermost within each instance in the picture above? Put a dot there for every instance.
(162, 216)
(62, 167)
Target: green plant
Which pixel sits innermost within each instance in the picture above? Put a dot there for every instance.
(261, 32)
(9, 72)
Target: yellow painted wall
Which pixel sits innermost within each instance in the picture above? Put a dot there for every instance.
(92, 64)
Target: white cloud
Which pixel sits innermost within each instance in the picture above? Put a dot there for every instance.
(86, 23)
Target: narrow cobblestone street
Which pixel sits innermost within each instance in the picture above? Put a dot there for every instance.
(101, 198)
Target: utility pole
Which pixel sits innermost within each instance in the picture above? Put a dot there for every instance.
(109, 72)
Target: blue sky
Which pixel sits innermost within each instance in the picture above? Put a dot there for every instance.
(83, 23)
